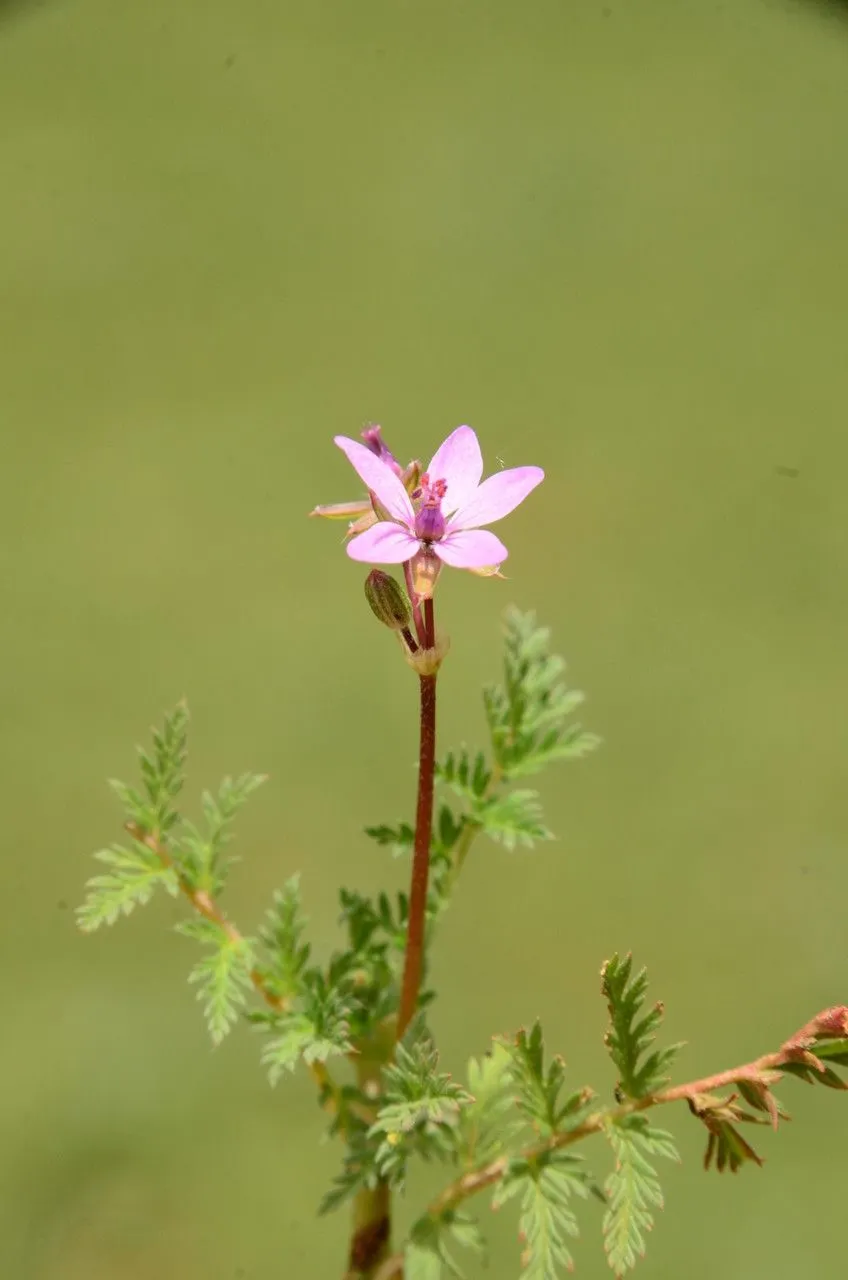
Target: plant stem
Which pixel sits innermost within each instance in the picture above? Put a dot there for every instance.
(416, 925)
(411, 643)
(370, 1242)
(760, 1069)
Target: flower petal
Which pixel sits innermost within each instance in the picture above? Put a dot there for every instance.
(471, 549)
(496, 497)
(383, 543)
(459, 462)
(378, 478)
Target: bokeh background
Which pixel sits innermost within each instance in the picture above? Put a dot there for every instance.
(614, 238)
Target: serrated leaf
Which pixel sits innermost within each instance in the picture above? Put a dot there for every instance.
(133, 876)
(529, 714)
(539, 1088)
(200, 850)
(314, 1032)
(546, 1220)
(420, 1113)
(421, 1263)
(632, 1031)
(633, 1189)
(467, 775)
(285, 954)
(294, 1034)
(162, 770)
(358, 1171)
(427, 1255)
(512, 819)
(397, 839)
(448, 828)
(488, 1120)
(136, 806)
(223, 977)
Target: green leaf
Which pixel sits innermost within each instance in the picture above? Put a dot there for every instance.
(421, 1262)
(201, 852)
(632, 1031)
(162, 772)
(546, 1221)
(367, 969)
(633, 1189)
(295, 1033)
(488, 1120)
(421, 1110)
(448, 830)
(398, 839)
(316, 1030)
(223, 977)
(427, 1255)
(358, 1170)
(833, 1050)
(539, 1089)
(132, 877)
(285, 954)
(136, 806)
(529, 714)
(469, 776)
(513, 819)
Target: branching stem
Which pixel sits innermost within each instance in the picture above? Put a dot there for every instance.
(765, 1069)
(205, 905)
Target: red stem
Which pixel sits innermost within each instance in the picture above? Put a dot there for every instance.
(414, 961)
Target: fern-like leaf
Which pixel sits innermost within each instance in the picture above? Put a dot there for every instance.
(529, 715)
(223, 977)
(547, 1221)
(633, 1189)
(632, 1030)
(538, 1087)
(130, 882)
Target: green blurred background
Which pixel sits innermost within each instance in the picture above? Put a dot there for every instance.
(612, 237)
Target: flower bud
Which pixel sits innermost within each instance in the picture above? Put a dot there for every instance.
(387, 600)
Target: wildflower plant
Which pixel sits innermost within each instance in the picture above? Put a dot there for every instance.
(512, 1128)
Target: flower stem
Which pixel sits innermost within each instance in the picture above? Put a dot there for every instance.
(409, 640)
(414, 960)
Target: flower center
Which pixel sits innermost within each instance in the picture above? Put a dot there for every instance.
(429, 521)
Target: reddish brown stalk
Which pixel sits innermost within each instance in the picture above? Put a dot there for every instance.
(414, 961)
(766, 1069)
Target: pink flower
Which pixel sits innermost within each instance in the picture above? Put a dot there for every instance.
(445, 514)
